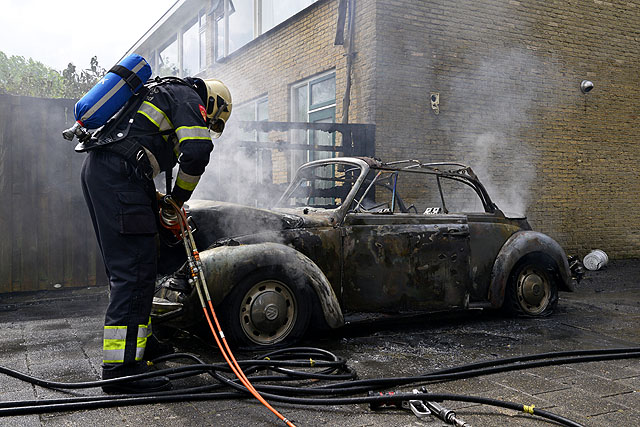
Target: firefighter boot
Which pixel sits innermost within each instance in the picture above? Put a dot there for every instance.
(145, 385)
(156, 348)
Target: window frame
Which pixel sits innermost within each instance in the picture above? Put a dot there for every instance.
(200, 19)
(308, 82)
(314, 113)
(323, 104)
(203, 20)
(255, 103)
(222, 12)
(261, 167)
(185, 28)
(169, 41)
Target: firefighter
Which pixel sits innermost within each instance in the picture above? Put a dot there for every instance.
(173, 124)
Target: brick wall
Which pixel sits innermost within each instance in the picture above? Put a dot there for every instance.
(299, 49)
(296, 50)
(508, 75)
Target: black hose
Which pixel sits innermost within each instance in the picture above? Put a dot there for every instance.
(130, 400)
(366, 384)
(538, 356)
(287, 363)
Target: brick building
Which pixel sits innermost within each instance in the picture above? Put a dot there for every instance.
(505, 74)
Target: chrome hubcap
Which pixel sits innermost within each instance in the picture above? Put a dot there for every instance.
(534, 290)
(268, 312)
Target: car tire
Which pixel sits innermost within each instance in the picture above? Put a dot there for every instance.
(532, 289)
(267, 309)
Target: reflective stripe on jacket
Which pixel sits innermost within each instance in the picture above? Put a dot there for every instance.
(177, 108)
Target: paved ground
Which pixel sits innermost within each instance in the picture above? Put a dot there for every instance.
(56, 335)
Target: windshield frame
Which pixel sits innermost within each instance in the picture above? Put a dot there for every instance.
(301, 174)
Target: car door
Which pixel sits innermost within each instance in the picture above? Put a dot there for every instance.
(404, 262)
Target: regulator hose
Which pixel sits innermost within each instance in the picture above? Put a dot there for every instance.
(198, 280)
(306, 367)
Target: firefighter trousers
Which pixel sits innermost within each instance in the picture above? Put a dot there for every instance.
(122, 205)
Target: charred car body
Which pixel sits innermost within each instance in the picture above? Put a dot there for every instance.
(342, 241)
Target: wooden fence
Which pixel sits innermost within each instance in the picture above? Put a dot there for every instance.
(46, 237)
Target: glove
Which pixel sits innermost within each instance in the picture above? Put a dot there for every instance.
(161, 199)
(168, 217)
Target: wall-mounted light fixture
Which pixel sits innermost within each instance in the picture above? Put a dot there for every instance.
(435, 102)
(586, 86)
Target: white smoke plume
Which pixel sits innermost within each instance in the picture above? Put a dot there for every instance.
(498, 100)
(240, 173)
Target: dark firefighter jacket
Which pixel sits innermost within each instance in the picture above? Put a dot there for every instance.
(176, 110)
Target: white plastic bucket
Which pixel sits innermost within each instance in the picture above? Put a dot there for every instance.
(595, 260)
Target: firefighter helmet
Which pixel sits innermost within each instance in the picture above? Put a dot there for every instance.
(217, 99)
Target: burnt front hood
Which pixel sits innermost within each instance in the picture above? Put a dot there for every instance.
(216, 220)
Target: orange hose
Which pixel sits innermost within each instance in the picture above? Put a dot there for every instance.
(233, 364)
(229, 358)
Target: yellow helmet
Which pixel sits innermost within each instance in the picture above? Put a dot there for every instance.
(218, 105)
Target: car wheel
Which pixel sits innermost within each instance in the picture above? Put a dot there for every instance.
(532, 289)
(267, 309)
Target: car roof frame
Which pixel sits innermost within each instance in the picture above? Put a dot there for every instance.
(458, 172)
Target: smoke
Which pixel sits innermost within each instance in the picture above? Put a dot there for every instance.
(507, 173)
(240, 171)
(497, 97)
(239, 174)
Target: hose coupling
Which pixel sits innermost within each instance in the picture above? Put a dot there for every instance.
(422, 408)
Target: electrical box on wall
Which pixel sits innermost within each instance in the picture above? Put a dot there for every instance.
(435, 102)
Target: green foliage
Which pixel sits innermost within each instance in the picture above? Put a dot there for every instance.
(20, 76)
(168, 68)
(77, 84)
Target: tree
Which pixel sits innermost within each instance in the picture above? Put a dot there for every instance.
(77, 84)
(20, 76)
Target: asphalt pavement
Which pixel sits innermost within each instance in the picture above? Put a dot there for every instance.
(56, 335)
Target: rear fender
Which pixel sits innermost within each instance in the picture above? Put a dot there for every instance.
(517, 246)
(225, 266)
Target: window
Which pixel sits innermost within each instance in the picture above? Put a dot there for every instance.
(202, 24)
(257, 110)
(184, 54)
(277, 11)
(220, 37)
(240, 25)
(240, 21)
(313, 101)
(243, 172)
(234, 25)
(168, 64)
(191, 50)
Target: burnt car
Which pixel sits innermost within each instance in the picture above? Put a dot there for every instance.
(356, 235)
